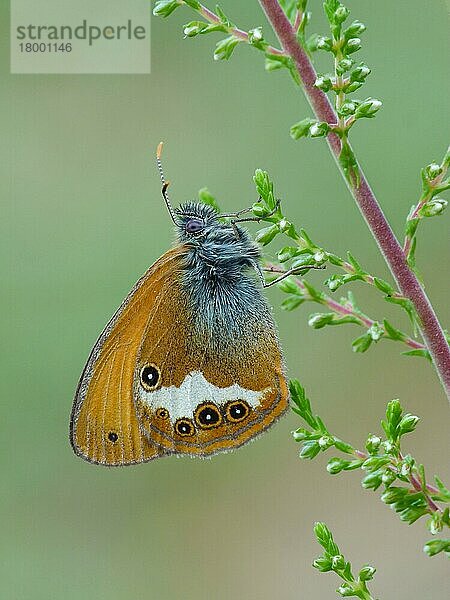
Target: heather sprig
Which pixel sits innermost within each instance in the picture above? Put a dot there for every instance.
(434, 182)
(385, 465)
(333, 560)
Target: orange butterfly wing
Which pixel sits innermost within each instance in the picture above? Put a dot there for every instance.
(209, 397)
(104, 428)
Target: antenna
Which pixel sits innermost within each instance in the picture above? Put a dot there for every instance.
(165, 184)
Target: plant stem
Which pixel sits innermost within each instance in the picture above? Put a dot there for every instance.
(407, 281)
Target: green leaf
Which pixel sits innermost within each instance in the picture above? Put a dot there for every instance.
(375, 462)
(355, 264)
(292, 302)
(223, 17)
(288, 286)
(224, 48)
(277, 61)
(325, 539)
(348, 162)
(392, 332)
(362, 343)
(423, 352)
(393, 417)
(443, 491)
(264, 187)
(301, 402)
(193, 4)
(265, 236)
(383, 286)
(373, 480)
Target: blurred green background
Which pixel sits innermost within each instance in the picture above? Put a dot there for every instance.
(83, 218)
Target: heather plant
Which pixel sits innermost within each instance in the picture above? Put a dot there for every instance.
(337, 107)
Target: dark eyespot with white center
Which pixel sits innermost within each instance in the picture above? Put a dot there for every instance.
(194, 225)
(150, 377)
(207, 415)
(113, 437)
(184, 427)
(237, 411)
(162, 413)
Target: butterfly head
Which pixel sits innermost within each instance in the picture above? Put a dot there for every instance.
(197, 223)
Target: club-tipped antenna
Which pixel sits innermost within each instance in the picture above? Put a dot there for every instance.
(165, 184)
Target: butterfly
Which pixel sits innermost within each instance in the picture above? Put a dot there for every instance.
(190, 363)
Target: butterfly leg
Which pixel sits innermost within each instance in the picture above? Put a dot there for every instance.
(294, 271)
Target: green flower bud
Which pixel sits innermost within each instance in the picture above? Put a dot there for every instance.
(388, 446)
(325, 442)
(375, 332)
(408, 424)
(368, 108)
(367, 573)
(194, 28)
(319, 320)
(334, 282)
(255, 35)
(319, 129)
(345, 590)
(324, 43)
(348, 108)
(405, 469)
(344, 65)
(433, 170)
(388, 477)
(324, 83)
(338, 561)
(372, 444)
(310, 450)
(320, 257)
(300, 434)
(341, 13)
(360, 73)
(354, 30)
(433, 207)
(259, 210)
(322, 564)
(353, 45)
(164, 8)
(336, 465)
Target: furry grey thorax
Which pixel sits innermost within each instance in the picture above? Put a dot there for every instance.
(220, 277)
